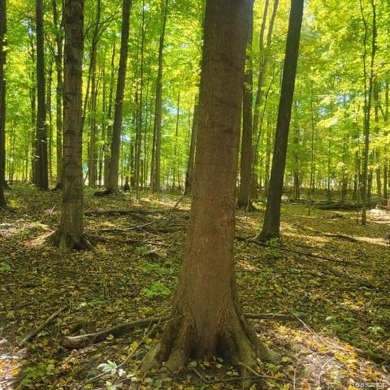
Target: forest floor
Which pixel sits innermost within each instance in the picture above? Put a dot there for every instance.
(327, 290)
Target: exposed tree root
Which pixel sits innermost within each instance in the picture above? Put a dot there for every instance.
(67, 242)
(235, 342)
(75, 342)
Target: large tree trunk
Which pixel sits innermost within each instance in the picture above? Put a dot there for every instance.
(41, 165)
(113, 177)
(3, 53)
(271, 226)
(206, 317)
(70, 234)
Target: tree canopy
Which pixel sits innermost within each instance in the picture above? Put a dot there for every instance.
(326, 143)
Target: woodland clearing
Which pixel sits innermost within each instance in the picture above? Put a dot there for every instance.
(321, 300)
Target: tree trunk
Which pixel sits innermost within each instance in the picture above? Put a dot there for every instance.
(41, 174)
(271, 226)
(139, 101)
(369, 79)
(92, 103)
(113, 177)
(107, 128)
(3, 54)
(265, 51)
(191, 152)
(206, 317)
(155, 169)
(58, 58)
(175, 170)
(33, 106)
(244, 200)
(70, 234)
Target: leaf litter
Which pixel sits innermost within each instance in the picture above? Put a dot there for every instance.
(325, 292)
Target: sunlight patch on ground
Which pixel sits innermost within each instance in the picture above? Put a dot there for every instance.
(321, 361)
(379, 215)
(374, 240)
(10, 366)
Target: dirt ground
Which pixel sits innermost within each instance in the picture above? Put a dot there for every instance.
(321, 300)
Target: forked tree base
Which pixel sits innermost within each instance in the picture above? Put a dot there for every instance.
(67, 242)
(111, 190)
(235, 342)
(246, 206)
(266, 237)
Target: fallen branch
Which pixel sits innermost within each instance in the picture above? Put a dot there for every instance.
(74, 342)
(337, 261)
(272, 316)
(341, 236)
(32, 334)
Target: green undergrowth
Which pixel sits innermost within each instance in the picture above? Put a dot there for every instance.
(328, 283)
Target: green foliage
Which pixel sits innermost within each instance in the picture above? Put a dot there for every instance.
(5, 264)
(32, 373)
(272, 249)
(327, 119)
(157, 290)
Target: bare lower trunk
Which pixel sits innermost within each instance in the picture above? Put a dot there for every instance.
(231, 338)
(206, 318)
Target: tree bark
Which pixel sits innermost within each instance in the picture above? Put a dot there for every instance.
(155, 175)
(192, 149)
(92, 103)
(271, 226)
(139, 101)
(265, 51)
(3, 55)
(41, 164)
(120, 88)
(70, 234)
(58, 58)
(245, 190)
(369, 79)
(206, 319)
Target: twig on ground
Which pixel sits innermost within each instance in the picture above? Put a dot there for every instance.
(271, 316)
(32, 334)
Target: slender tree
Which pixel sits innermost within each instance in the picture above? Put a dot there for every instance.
(369, 80)
(156, 146)
(58, 59)
(41, 163)
(70, 234)
(265, 55)
(245, 190)
(3, 54)
(191, 152)
(92, 94)
(120, 88)
(271, 225)
(206, 316)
